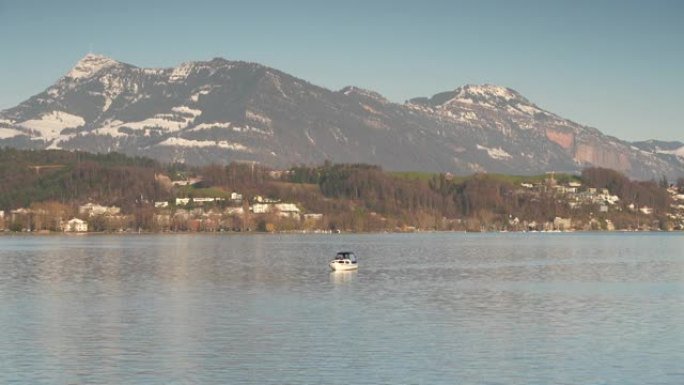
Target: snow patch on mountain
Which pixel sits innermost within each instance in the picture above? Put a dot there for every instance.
(338, 135)
(486, 90)
(229, 126)
(90, 65)
(486, 95)
(6, 133)
(308, 136)
(181, 72)
(364, 93)
(210, 126)
(181, 142)
(110, 127)
(530, 110)
(153, 71)
(467, 116)
(258, 118)
(114, 86)
(159, 121)
(50, 125)
(678, 152)
(107, 103)
(195, 97)
(248, 128)
(204, 89)
(54, 92)
(187, 111)
(55, 143)
(495, 153)
(179, 118)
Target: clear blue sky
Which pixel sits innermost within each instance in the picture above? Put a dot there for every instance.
(614, 65)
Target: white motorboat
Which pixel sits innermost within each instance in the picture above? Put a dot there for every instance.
(344, 261)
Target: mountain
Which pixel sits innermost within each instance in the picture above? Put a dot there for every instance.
(220, 111)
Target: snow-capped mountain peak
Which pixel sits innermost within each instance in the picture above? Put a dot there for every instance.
(90, 65)
(234, 111)
(488, 94)
(363, 93)
(481, 96)
(487, 90)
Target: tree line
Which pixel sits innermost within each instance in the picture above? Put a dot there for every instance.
(358, 197)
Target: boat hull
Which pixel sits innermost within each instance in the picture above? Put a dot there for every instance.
(341, 266)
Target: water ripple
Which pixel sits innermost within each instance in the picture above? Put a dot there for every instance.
(422, 309)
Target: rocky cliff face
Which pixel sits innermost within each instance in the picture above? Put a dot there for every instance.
(221, 111)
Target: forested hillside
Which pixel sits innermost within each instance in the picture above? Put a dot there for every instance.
(351, 197)
(73, 177)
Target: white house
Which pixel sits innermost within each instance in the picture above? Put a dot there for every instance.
(202, 200)
(287, 209)
(282, 209)
(187, 182)
(76, 225)
(610, 199)
(260, 208)
(235, 211)
(260, 199)
(565, 189)
(182, 201)
(94, 209)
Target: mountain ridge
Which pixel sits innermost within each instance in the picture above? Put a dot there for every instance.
(218, 111)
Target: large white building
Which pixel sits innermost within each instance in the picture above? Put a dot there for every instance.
(282, 209)
(76, 225)
(94, 209)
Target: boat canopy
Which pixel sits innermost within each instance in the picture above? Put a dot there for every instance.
(346, 255)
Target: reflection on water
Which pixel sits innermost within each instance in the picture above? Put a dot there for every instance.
(423, 308)
(342, 277)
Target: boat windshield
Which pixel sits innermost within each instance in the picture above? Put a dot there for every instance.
(346, 255)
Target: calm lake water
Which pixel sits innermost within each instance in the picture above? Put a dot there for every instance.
(441, 308)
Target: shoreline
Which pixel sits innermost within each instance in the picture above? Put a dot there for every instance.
(251, 233)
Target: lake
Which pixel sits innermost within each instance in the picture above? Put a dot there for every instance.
(433, 308)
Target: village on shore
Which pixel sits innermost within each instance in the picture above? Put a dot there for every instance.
(597, 210)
